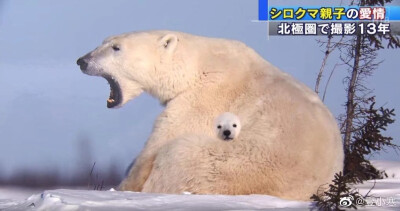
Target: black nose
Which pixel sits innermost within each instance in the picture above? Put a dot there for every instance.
(227, 132)
(82, 63)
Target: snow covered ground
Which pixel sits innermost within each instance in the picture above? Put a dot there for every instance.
(386, 191)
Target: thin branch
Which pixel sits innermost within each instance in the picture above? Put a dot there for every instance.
(321, 69)
(329, 79)
(330, 47)
(367, 194)
(90, 174)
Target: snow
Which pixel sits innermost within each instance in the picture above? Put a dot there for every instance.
(16, 193)
(392, 168)
(10, 196)
(64, 199)
(387, 192)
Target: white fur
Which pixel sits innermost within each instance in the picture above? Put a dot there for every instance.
(227, 122)
(289, 144)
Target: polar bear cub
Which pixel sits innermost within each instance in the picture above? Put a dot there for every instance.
(227, 126)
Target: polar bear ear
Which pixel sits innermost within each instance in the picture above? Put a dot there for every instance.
(169, 42)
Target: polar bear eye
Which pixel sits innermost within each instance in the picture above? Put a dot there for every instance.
(234, 125)
(219, 127)
(115, 47)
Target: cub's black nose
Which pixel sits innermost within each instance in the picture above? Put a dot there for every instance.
(227, 132)
(82, 63)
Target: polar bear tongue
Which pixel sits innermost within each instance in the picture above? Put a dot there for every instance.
(115, 97)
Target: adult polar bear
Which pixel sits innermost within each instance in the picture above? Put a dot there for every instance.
(289, 143)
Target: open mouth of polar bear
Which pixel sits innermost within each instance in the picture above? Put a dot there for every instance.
(115, 97)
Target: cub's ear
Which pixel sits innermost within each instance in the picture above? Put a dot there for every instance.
(169, 42)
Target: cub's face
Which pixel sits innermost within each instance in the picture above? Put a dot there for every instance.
(227, 126)
(129, 63)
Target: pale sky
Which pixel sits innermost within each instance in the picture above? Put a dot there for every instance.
(47, 104)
